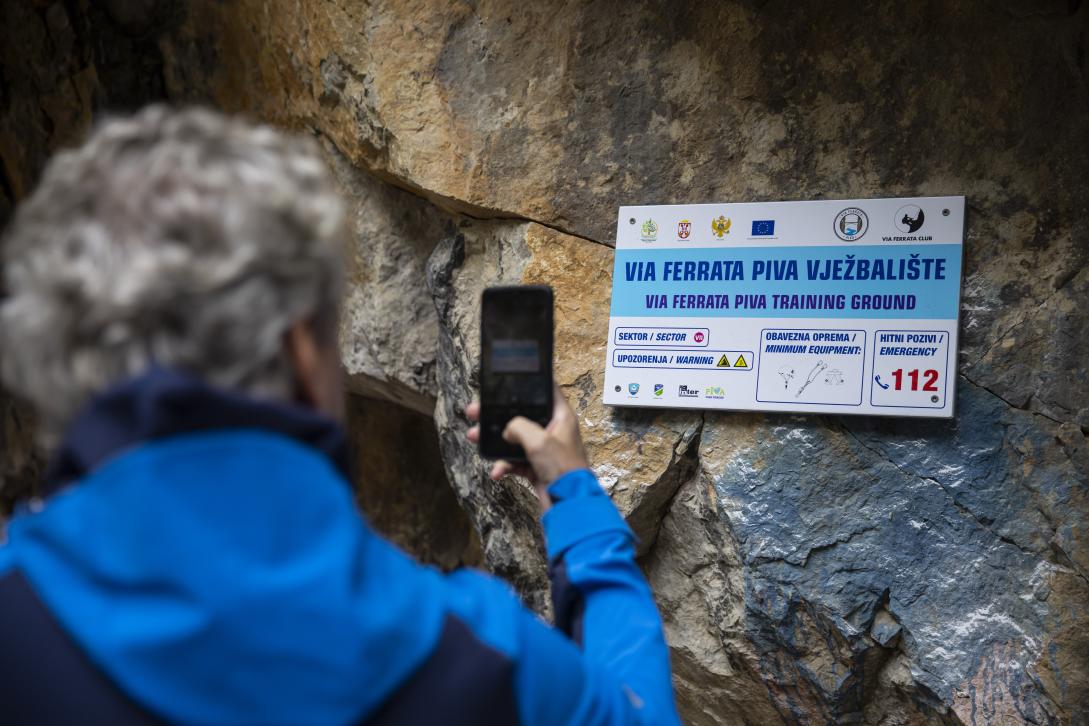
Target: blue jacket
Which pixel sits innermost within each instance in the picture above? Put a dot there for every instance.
(199, 559)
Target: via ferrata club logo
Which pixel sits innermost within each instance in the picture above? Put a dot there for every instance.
(684, 229)
(851, 224)
(649, 231)
(909, 218)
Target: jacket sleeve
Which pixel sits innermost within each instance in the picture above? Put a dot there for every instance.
(603, 604)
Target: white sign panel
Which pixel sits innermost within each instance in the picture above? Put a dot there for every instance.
(822, 306)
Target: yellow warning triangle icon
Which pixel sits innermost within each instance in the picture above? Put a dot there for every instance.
(723, 362)
(740, 363)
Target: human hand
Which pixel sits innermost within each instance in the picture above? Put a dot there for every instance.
(552, 451)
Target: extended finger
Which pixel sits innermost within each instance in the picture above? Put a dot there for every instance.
(500, 469)
(473, 434)
(527, 434)
(563, 406)
(562, 414)
(472, 411)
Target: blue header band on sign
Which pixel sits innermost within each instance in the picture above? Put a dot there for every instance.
(932, 299)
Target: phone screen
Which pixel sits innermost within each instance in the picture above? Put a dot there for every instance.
(515, 363)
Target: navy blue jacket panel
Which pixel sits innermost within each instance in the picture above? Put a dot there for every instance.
(201, 561)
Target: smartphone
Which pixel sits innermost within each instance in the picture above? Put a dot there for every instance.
(515, 363)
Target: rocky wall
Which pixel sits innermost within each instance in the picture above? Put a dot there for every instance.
(403, 488)
(817, 569)
(810, 569)
(64, 65)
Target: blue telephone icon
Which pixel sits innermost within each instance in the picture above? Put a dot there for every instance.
(877, 379)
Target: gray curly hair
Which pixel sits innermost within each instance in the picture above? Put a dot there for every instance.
(184, 239)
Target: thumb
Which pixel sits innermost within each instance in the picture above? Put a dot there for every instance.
(520, 430)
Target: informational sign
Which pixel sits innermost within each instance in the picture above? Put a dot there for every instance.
(819, 306)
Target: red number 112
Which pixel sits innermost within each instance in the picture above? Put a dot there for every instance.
(930, 379)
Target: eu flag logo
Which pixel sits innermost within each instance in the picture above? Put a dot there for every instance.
(763, 227)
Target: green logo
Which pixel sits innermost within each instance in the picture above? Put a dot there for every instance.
(714, 392)
(649, 231)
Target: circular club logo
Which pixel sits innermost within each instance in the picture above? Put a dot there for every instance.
(851, 224)
(649, 231)
(698, 336)
(684, 228)
(909, 219)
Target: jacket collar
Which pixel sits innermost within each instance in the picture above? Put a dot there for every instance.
(162, 403)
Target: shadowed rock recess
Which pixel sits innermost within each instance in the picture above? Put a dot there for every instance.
(815, 569)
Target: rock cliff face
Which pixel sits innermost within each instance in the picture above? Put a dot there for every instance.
(814, 569)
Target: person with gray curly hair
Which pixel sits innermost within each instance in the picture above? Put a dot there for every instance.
(187, 241)
(197, 556)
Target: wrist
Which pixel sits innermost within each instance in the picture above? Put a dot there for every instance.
(563, 485)
(575, 464)
(543, 497)
(574, 483)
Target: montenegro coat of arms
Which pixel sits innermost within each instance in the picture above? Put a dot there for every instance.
(721, 226)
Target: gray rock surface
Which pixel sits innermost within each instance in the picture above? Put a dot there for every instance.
(471, 256)
(389, 330)
(933, 527)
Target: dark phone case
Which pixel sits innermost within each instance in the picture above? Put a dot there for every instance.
(494, 415)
